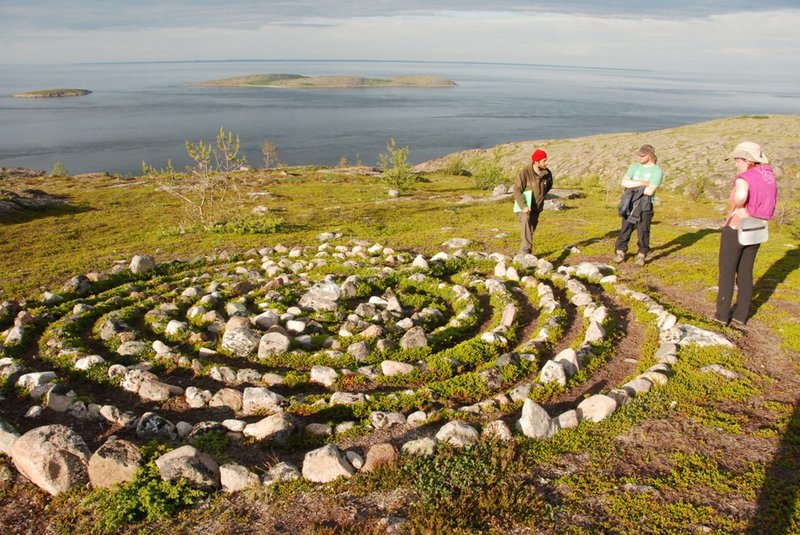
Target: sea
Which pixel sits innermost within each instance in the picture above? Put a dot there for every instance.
(146, 112)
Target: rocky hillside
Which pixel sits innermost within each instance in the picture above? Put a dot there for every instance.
(686, 153)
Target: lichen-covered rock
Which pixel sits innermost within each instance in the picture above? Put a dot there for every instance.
(458, 434)
(115, 462)
(199, 469)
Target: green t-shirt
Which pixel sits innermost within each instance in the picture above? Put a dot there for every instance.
(650, 173)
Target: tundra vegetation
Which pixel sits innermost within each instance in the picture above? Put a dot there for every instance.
(704, 451)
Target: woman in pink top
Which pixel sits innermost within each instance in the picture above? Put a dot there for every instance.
(754, 194)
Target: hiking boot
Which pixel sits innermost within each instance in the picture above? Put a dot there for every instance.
(715, 319)
(619, 256)
(739, 324)
(640, 259)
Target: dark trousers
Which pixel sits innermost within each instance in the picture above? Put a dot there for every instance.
(527, 225)
(735, 266)
(642, 233)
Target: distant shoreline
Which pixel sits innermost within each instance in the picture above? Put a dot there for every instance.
(297, 81)
(53, 93)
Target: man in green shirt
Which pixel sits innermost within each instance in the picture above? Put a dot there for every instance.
(644, 174)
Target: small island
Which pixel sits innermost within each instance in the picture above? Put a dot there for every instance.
(54, 93)
(340, 81)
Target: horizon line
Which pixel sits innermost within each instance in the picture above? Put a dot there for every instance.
(347, 60)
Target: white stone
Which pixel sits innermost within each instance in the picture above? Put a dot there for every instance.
(326, 464)
(534, 421)
(596, 408)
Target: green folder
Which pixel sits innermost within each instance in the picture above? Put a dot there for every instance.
(528, 194)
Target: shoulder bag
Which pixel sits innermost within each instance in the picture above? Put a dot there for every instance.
(752, 231)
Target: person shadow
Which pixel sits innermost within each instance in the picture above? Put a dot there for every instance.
(680, 242)
(778, 502)
(776, 274)
(565, 252)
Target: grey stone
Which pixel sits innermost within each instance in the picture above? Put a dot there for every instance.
(240, 341)
(8, 435)
(326, 464)
(227, 397)
(276, 427)
(235, 477)
(497, 430)
(553, 371)
(261, 399)
(383, 454)
(273, 343)
(282, 471)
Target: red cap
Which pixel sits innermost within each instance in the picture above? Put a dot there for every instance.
(538, 155)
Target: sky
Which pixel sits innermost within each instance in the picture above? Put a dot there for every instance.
(715, 36)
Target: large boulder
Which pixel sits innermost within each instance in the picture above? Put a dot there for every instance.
(52, 457)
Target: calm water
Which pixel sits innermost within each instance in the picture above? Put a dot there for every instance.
(146, 111)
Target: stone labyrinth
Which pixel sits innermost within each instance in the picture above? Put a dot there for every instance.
(313, 362)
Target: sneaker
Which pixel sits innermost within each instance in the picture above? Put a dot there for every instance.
(619, 256)
(640, 259)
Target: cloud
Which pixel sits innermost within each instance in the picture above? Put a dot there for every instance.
(685, 35)
(111, 14)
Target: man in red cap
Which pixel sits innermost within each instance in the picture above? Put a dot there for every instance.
(532, 184)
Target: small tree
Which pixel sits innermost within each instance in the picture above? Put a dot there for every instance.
(59, 170)
(397, 171)
(489, 173)
(270, 152)
(455, 166)
(206, 189)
